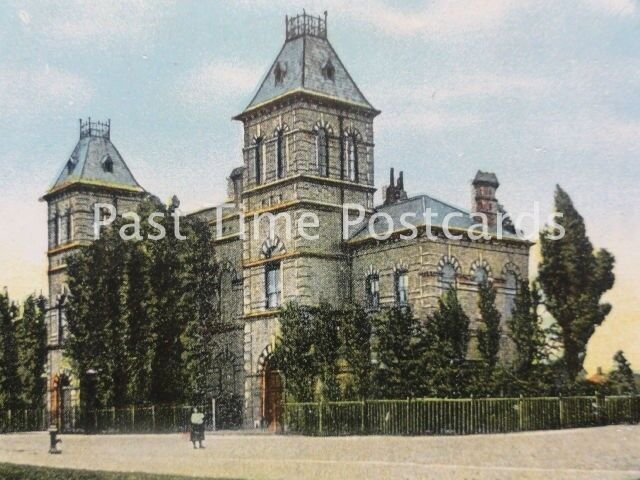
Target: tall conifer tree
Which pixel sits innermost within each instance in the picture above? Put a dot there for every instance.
(574, 278)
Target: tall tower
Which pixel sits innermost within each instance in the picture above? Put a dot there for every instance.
(94, 173)
(308, 148)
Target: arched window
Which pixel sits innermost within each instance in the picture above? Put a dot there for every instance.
(480, 276)
(322, 152)
(351, 156)
(280, 153)
(272, 284)
(401, 286)
(373, 290)
(448, 276)
(257, 161)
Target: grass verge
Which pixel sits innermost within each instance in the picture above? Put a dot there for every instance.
(10, 471)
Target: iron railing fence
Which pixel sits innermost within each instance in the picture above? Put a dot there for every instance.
(437, 416)
(131, 419)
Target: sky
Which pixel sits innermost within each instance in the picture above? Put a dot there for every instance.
(539, 92)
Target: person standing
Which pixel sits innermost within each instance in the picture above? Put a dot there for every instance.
(197, 427)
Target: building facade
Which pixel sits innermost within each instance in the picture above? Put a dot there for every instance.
(308, 149)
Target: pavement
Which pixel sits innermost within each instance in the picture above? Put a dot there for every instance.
(601, 453)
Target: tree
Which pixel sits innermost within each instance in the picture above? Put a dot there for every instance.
(201, 274)
(397, 349)
(622, 378)
(525, 330)
(490, 333)
(9, 378)
(447, 340)
(355, 343)
(32, 352)
(294, 353)
(573, 279)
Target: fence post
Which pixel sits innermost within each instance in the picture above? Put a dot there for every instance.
(320, 417)
(133, 418)
(520, 413)
(362, 410)
(561, 410)
(407, 429)
(213, 413)
(153, 418)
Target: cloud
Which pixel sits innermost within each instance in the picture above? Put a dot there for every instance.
(103, 23)
(215, 82)
(31, 91)
(614, 7)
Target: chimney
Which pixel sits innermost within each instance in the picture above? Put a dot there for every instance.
(395, 193)
(235, 185)
(484, 199)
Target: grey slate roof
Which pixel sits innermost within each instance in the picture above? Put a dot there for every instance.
(86, 165)
(486, 177)
(303, 58)
(419, 205)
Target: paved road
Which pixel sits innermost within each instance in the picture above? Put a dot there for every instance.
(596, 453)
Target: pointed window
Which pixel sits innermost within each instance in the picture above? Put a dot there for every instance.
(510, 291)
(322, 152)
(351, 157)
(329, 71)
(279, 74)
(107, 164)
(257, 161)
(280, 154)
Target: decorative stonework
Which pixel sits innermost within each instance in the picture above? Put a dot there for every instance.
(272, 247)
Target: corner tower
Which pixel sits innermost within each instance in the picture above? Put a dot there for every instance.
(308, 149)
(94, 173)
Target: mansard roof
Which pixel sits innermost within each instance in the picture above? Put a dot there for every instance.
(95, 161)
(419, 205)
(307, 63)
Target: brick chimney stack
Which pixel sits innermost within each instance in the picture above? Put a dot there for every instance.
(484, 199)
(395, 193)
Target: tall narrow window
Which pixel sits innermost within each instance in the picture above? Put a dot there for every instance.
(272, 285)
(258, 161)
(322, 152)
(69, 226)
(401, 287)
(373, 291)
(351, 154)
(280, 154)
(56, 229)
(510, 291)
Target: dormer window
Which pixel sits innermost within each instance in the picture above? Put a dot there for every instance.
(279, 73)
(71, 165)
(329, 71)
(107, 164)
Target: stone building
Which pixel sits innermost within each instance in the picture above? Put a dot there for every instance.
(94, 173)
(308, 148)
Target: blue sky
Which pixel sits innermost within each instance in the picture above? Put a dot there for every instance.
(540, 92)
